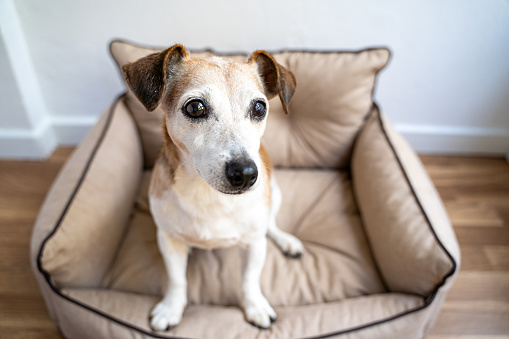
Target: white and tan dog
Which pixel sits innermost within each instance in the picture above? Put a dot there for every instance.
(213, 186)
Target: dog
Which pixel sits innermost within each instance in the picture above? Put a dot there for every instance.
(213, 184)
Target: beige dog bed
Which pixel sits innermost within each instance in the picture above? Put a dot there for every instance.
(380, 252)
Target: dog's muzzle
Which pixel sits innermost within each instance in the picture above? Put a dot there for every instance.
(241, 174)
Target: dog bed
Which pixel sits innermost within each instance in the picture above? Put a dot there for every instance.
(380, 255)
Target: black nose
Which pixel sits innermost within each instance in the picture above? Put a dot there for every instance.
(241, 174)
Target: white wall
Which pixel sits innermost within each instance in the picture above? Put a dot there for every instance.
(446, 88)
(26, 129)
(8, 89)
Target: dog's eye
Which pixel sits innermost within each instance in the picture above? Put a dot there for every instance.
(196, 109)
(259, 109)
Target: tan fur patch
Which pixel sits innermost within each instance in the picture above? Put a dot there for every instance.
(267, 170)
(196, 72)
(166, 165)
(170, 151)
(160, 178)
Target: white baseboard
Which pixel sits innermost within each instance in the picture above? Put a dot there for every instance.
(429, 139)
(39, 144)
(24, 144)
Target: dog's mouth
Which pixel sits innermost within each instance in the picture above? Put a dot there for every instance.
(233, 192)
(226, 187)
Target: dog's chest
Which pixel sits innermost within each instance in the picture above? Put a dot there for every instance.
(208, 219)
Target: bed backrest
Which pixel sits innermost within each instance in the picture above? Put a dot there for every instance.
(334, 95)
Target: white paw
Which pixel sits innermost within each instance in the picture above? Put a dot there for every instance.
(165, 315)
(290, 245)
(259, 312)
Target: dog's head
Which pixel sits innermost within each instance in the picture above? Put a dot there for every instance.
(215, 109)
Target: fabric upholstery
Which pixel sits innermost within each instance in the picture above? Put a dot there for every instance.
(337, 264)
(332, 99)
(210, 321)
(97, 212)
(380, 252)
(402, 237)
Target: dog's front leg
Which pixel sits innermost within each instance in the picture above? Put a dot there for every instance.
(168, 312)
(256, 308)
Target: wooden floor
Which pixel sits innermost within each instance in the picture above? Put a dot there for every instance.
(475, 192)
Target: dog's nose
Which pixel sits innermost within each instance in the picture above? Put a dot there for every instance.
(241, 174)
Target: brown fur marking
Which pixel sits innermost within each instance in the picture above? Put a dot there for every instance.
(194, 72)
(267, 169)
(276, 78)
(166, 165)
(147, 77)
(170, 152)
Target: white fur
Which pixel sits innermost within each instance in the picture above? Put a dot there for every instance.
(194, 212)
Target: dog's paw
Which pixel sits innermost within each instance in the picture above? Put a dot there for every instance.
(290, 245)
(165, 316)
(259, 313)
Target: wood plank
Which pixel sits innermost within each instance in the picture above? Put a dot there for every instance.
(23, 186)
(481, 236)
(476, 195)
(473, 258)
(481, 305)
(475, 286)
(498, 257)
(30, 333)
(456, 336)
(481, 322)
(473, 213)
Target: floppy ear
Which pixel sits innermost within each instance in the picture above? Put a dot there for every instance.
(276, 79)
(147, 77)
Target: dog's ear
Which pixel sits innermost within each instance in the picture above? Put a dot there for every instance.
(276, 79)
(147, 77)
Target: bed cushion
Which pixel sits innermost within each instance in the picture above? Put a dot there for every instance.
(318, 207)
(333, 97)
(376, 316)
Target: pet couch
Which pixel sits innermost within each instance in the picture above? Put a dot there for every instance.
(380, 255)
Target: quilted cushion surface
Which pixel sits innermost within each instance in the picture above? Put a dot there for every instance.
(318, 207)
